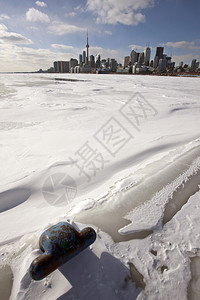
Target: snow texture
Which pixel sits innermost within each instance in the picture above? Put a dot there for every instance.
(118, 153)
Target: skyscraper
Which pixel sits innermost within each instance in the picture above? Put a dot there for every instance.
(159, 52)
(92, 61)
(141, 58)
(193, 65)
(98, 61)
(133, 57)
(84, 57)
(155, 62)
(87, 47)
(147, 54)
(80, 59)
(158, 56)
(113, 65)
(162, 65)
(169, 60)
(126, 61)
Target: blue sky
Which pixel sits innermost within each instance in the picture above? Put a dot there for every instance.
(33, 34)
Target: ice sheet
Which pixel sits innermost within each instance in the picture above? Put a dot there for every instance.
(126, 145)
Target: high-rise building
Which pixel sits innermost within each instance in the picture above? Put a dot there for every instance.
(193, 65)
(84, 56)
(61, 66)
(155, 62)
(66, 66)
(80, 59)
(141, 59)
(159, 52)
(73, 63)
(55, 65)
(181, 64)
(162, 65)
(126, 61)
(108, 62)
(103, 63)
(92, 61)
(147, 55)
(133, 57)
(87, 48)
(171, 65)
(169, 60)
(98, 61)
(113, 65)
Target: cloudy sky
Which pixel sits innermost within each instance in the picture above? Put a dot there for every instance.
(33, 34)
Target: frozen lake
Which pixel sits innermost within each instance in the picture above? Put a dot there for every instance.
(117, 152)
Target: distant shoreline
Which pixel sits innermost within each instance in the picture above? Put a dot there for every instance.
(114, 73)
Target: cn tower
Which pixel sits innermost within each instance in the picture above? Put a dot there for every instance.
(87, 46)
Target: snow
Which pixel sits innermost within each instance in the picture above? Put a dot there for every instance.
(130, 148)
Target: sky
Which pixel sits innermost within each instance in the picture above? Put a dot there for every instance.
(34, 34)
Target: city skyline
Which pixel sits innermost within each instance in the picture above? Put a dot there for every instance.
(135, 63)
(33, 34)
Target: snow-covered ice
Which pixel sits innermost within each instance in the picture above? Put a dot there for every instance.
(119, 153)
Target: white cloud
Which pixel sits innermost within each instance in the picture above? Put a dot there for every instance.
(41, 3)
(122, 11)
(181, 44)
(3, 27)
(12, 37)
(137, 47)
(32, 28)
(108, 32)
(71, 14)
(16, 58)
(34, 15)
(79, 9)
(61, 47)
(60, 28)
(4, 17)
